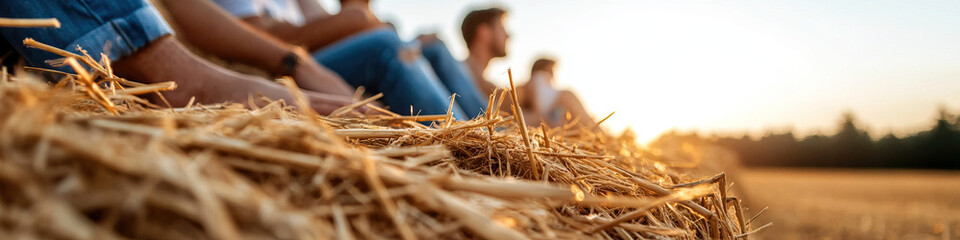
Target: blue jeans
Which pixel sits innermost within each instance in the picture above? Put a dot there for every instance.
(456, 77)
(373, 59)
(116, 28)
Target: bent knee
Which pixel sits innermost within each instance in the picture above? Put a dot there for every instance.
(377, 41)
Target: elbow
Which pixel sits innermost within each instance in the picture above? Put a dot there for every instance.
(360, 19)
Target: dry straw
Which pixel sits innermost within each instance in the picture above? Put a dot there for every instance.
(87, 159)
(29, 23)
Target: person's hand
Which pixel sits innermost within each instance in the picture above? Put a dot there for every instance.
(325, 103)
(424, 39)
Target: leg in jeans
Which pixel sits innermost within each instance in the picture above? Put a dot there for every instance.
(142, 46)
(90, 24)
(373, 60)
(455, 77)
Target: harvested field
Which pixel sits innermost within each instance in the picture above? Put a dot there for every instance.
(86, 159)
(855, 204)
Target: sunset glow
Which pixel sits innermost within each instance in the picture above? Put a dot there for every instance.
(727, 66)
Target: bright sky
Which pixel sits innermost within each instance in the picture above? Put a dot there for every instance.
(727, 66)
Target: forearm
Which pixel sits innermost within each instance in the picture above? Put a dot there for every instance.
(213, 30)
(319, 33)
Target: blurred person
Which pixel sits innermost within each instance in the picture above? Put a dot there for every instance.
(206, 26)
(545, 102)
(486, 38)
(370, 54)
(452, 73)
(142, 49)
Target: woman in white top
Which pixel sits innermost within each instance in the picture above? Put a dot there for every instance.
(544, 102)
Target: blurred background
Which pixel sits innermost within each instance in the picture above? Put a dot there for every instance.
(841, 115)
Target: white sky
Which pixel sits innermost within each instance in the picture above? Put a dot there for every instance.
(726, 66)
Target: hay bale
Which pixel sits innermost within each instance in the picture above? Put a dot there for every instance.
(87, 159)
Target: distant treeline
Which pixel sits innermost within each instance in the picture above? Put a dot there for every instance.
(938, 147)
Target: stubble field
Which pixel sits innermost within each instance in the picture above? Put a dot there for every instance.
(853, 204)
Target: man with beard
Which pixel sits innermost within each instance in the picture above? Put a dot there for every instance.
(486, 38)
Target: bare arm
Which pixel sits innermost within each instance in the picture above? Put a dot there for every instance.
(312, 10)
(210, 28)
(318, 33)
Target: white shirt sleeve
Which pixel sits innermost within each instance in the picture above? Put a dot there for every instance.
(241, 8)
(280, 10)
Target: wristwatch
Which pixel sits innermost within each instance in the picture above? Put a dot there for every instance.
(289, 63)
